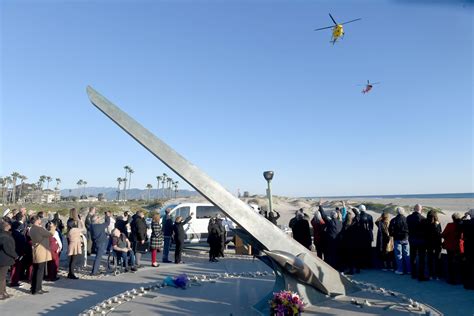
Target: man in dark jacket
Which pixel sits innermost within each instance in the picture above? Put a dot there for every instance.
(417, 235)
(167, 225)
(213, 239)
(331, 233)
(365, 236)
(398, 229)
(100, 238)
(179, 236)
(21, 248)
(7, 256)
(301, 231)
(139, 236)
(273, 218)
(88, 224)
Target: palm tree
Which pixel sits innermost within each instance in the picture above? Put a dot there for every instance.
(15, 176)
(84, 183)
(41, 181)
(48, 180)
(163, 181)
(176, 189)
(79, 184)
(125, 182)
(119, 180)
(58, 181)
(22, 178)
(130, 171)
(149, 187)
(169, 180)
(158, 180)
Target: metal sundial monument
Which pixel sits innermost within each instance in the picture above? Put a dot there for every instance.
(295, 266)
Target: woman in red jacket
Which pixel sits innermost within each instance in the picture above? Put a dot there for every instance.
(454, 245)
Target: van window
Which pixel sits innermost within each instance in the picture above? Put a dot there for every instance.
(182, 211)
(207, 211)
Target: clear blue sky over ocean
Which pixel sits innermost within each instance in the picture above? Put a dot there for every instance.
(239, 87)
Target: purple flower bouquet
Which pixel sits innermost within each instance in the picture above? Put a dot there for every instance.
(286, 303)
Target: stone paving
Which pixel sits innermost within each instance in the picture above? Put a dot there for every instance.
(229, 287)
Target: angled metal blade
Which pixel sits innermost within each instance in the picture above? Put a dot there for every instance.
(332, 19)
(269, 235)
(351, 21)
(324, 28)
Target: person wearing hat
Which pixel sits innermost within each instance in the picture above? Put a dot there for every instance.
(7, 256)
(7, 216)
(454, 245)
(467, 229)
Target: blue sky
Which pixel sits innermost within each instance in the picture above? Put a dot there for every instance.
(239, 87)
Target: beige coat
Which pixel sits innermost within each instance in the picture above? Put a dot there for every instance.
(74, 247)
(40, 241)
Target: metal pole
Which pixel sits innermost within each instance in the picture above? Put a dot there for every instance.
(269, 195)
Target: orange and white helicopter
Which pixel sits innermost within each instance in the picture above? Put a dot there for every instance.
(368, 86)
(337, 29)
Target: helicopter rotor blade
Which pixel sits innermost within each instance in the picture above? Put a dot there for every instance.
(351, 21)
(375, 82)
(323, 28)
(332, 19)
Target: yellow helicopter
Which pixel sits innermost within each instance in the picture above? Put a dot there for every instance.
(337, 29)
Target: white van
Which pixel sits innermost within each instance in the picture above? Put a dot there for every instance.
(196, 228)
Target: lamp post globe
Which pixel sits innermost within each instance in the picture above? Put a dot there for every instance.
(268, 175)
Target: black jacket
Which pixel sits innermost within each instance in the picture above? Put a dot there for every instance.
(167, 225)
(366, 227)
(416, 228)
(20, 240)
(467, 228)
(333, 228)
(121, 225)
(138, 226)
(433, 236)
(301, 232)
(7, 250)
(214, 233)
(98, 232)
(272, 218)
(178, 230)
(398, 228)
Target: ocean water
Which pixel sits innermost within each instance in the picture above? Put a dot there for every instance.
(409, 196)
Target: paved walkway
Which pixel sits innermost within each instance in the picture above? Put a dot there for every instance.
(226, 296)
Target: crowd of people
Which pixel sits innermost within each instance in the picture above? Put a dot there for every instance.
(404, 244)
(31, 244)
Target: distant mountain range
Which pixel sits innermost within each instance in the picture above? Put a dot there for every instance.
(133, 194)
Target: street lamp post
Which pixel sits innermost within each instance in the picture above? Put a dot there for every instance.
(268, 175)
